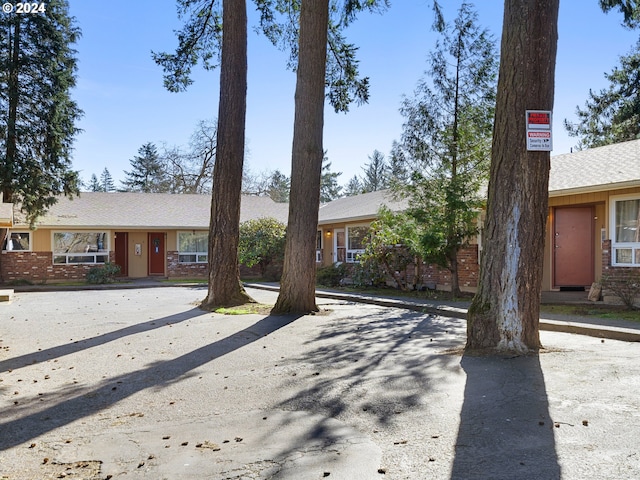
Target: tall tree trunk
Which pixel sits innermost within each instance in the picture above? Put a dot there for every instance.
(504, 314)
(453, 268)
(225, 288)
(297, 287)
(12, 120)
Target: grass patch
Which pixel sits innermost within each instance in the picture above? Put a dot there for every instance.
(246, 309)
(611, 312)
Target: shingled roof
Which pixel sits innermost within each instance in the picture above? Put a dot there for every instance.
(150, 210)
(603, 168)
(359, 207)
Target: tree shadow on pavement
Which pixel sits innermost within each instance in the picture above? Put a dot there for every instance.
(84, 344)
(373, 369)
(33, 418)
(506, 431)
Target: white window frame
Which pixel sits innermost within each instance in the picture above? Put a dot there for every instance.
(20, 232)
(89, 258)
(615, 245)
(201, 257)
(352, 254)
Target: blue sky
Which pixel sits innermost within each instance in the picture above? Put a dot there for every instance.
(125, 104)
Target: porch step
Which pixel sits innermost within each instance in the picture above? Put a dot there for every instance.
(6, 295)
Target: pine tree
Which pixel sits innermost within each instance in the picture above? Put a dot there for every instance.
(94, 184)
(148, 174)
(37, 74)
(279, 186)
(106, 181)
(375, 173)
(447, 139)
(329, 188)
(353, 187)
(613, 114)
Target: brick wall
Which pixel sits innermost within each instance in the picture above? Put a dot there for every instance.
(38, 267)
(175, 269)
(614, 272)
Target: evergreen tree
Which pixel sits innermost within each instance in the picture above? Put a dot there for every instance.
(106, 181)
(447, 137)
(504, 314)
(279, 186)
(37, 74)
(94, 184)
(629, 8)
(329, 188)
(353, 187)
(613, 114)
(202, 39)
(148, 172)
(375, 173)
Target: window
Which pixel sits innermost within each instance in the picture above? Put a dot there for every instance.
(355, 241)
(193, 247)
(80, 247)
(625, 225)
(17, 241)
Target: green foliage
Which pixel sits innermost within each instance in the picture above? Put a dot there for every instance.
(37, 74)
(446, 140)
(613, 114)
(392, 246)
(279, 186)
(261, 243)
(331, 275)
(103, 274)
(329, 188)
(279, 21)
(376, 173)
(626, 287)
(106, 181)
(148, 172)
(200, 39)
(629, 8)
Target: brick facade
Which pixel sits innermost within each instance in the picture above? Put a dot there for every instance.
(38, 267)
(175, 269)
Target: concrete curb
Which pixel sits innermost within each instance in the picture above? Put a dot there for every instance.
(598, 331)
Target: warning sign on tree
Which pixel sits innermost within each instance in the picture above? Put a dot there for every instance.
(539, 130)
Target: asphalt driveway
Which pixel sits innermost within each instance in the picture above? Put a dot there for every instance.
(140, 383)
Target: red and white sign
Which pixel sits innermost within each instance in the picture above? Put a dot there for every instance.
(539, 130)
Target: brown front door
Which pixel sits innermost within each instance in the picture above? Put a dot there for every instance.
(156, 253)
(573, 247)
(122, 252)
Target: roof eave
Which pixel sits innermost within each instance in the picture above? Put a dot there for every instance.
(594, 188)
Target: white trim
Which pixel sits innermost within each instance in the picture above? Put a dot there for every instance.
(352, 253)
(201, 257)
(20, 232)
(615, 245)
(91, 257)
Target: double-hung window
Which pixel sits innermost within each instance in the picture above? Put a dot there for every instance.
(355, 241)
(625, 228)
(80, 247)
(193, 247)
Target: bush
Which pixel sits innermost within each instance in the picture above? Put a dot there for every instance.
(332, 275)
(626, 287)
(368, 273)
(103, 274)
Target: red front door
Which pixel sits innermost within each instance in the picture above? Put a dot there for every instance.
(156, 253)
(573, 246)
(122, 252)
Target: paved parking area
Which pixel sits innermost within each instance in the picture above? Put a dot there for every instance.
(140, 383)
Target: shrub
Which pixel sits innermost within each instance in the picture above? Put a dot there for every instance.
(103, 274)
(626, 287)
(331, 275)
(261, 243)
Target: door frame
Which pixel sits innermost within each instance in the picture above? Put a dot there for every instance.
(591, 241)
(163, 246)
(335, 245)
